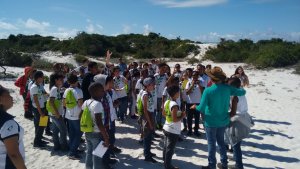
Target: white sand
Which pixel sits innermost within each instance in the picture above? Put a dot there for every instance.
(274, 101)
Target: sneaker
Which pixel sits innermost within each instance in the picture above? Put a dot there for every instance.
(134, 117)
(74, 157)
(180, 139)
(150, 159)
(197, 134)
(42, 146)
(116, 150)
(153, 154)
(220, 166)
(49, 133)
(156, 135)
(112, 161)
(44, 142)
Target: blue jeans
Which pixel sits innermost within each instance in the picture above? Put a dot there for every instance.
(169, 146)
(92, 161)
(74, 136)
(158, 118)
(111, 133)
(38, 129)
(216, 135)
(123, 107)
(59, 126)
(237, 155)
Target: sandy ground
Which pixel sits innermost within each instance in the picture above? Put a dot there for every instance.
(274, 102)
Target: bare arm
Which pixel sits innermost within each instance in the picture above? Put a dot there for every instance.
(190, 89)
(174, 111)
(56, 113)
(80, 102)
(36, 101)
(102, 129)
(147, 116)
(12, 147)
(234, 103)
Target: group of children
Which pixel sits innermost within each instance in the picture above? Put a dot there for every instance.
(158, 98)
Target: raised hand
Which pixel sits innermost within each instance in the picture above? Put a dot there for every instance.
(108, 54)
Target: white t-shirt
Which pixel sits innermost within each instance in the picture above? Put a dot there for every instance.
(119, 84)
(167, 97)
(39, 91)
(150, 105)
(139, 85)
(73, 114)
(111, 99)
(195, 95)
(55, 93)
(204, 79)
(7, 129)
(160, 82)
(95, 107)
(172, 127)
(242, 106)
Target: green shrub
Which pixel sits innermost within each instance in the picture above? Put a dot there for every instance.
(80, 58)
(12, 58)
(42, 64)
(192, 61)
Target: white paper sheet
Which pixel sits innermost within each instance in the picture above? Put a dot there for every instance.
(100, 150)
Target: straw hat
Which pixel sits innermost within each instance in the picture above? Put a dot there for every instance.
(216, 74)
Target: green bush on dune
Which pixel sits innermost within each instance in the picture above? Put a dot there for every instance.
(262, 54)
(137, 45)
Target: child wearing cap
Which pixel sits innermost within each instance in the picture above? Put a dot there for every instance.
(147, 120)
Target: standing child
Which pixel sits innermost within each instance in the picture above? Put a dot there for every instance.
(193, 91)
(12, 154)
(37, 95)
(56, 112)
(119, 86)
(98, 132)
(147, 104)
(22, 82)
(160, 81)
(172, 126)
(239, 110)
(73, 100)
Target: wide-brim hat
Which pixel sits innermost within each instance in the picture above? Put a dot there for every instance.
(216, 74)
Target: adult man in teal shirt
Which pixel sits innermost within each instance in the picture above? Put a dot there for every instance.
(214, 106)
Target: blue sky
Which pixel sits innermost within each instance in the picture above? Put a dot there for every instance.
(203, 20)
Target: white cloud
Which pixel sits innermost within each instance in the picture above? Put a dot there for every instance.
(147, 29)
(63, 33)
(93, 28)
(126, 29)
(7, 26)
(188, 3)
(39, 26)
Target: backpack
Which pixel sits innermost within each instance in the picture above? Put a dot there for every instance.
(70, 99)
(86, 120)
(57, 104)
(168, 112)
(49, 108)
(140, 107)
